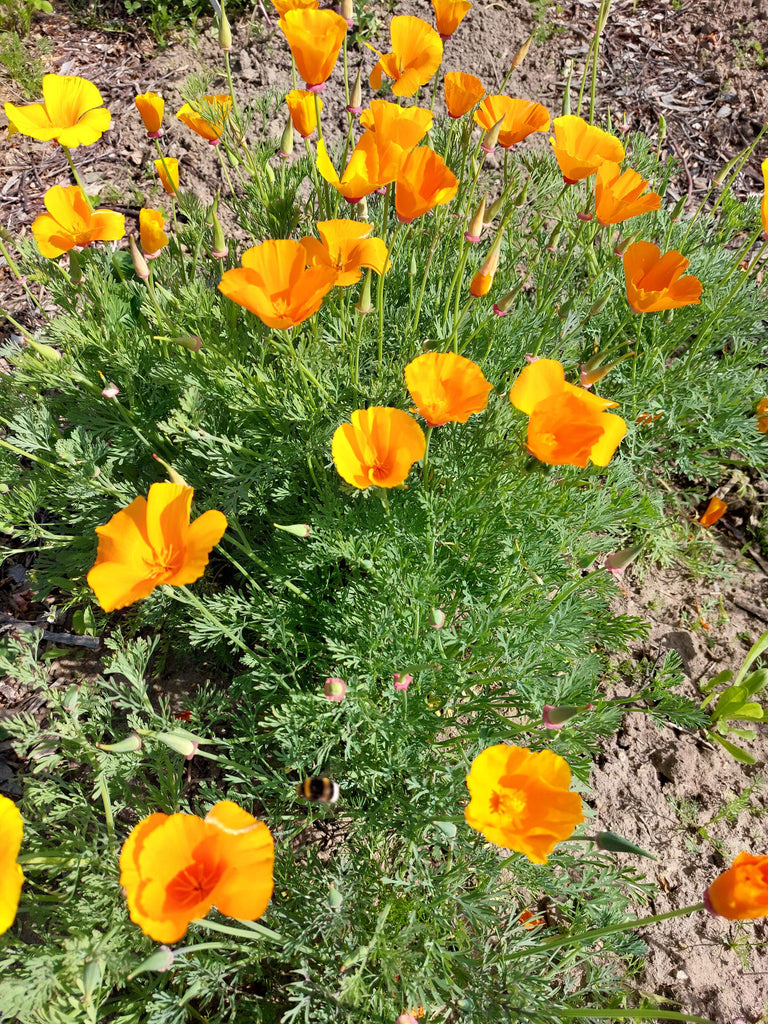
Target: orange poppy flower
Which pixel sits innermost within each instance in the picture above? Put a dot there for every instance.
(71, 222)
(315, 38)
(151, 106)
(378, 447)
(403, 126)
(449, 14)
(423, 182)
(11, 875)
(483, 280)
(208, 117)
(373, 163)
(283, 6)
(151, 543)
(741, 892)
(762, 415)
(462, 92)
(274, 283)
(521, 118)
(715, 510)
(764, 203)
(301, 107)
(655, 282)
(151, 234)
(72, 113)
(417, 53)
(175, 868)
(447, 388)
(568, 425)
(345, 248)
(169, 181)
(580, 148)
(618, 196)
(520, 800)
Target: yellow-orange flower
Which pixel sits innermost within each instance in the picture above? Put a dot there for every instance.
(175, 868)
(208, 117)
(417, 53)
(521, 118)
(462, 92)
(315, 38)
(580, 148)
(150, 543)
(301, 107)
(71, 222)
(151, 234)
(374, 162)
(401, 126)
(169, 181)
(283, 6)
(764, 202)
(151, 106)
(520, 800)
(423, 182)
(741, 892)
(72, 113)
(345, 248)
(447, 388)
(11, 876)
(762, 415)
(715, 510)
(618, 197)
(655, 282)
(378, 447)
(275, 284)
(568, 425)
(449, 14)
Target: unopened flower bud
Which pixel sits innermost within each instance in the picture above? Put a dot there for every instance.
(614, 843)
(522, 195)
(286, 140)
(555, 717)
(334, 689)
(436, 618)
(302, 530)
(75, 267)
(599, 306)
(475, 227)
(554, 238)
(413, 267)
(590, 377)
(356, 96)
(225, 32)
(362, 208)
(522, 53)
(129, 744)
(347, 11)
(491, 137)
(619, 560)
(564, 310)
(220, 248)
(174, 476)
(483, 279)
(182, 742)
(622, 247)
(193, 342)
(662, 130)
(364, 304)
(139, 263)
(677, 212)
(160, 961)
(493, 210)
(726, 169)
(110, 391)
(566, 108)
(402, 680)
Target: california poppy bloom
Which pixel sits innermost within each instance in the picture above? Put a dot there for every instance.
(71, 222)
(618, 197)
(568, 425)
(151, 234)
(715, 510)
(72, 113)
(580, 148)
(374, 162)
(378, 447)
(401, 126)
(11, 875)
(274, 283)
(423, 182)
(655, 282)
(521, 118)
(449, 14)
(151, 543)
(462, 92)
(520, 800)
(283, 6)
(417, 53)
(446, 387)
(345, 248)
(741, 892)
(315, 38)
(762, 415)
(208, 117)
(169, 181)
(175, 868)
(301, 107)
(151, 106)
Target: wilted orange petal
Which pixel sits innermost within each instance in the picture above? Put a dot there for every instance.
(715, 510)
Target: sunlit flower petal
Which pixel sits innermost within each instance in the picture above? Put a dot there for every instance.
(378, 447)
(449, 14)
(521, 118)
(580, 148)
(423, 182)
(70, 222)
(462, 92)
(151, 234)
(417, 52)
(345, 247)
(71, 113)
(315, 39)
(655, 282)
(11, 876)
(618, 197)
(150, 106)
(446, 387)
(208, 117)
(741, 892)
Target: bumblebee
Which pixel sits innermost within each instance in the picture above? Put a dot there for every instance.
(319, 790)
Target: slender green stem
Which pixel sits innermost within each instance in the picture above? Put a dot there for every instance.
(380, 288)
(425, 461)
(256, 931)
(434, 87)
(225, 169)
(602, 17)
(75, 175)
(107, 805)
(428, 264)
